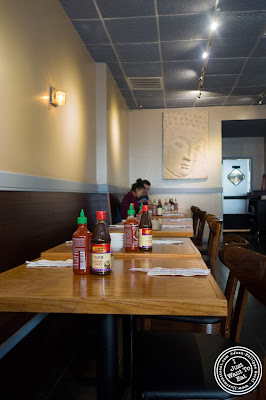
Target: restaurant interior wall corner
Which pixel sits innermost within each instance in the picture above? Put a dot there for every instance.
(118, 149)
(42, 49)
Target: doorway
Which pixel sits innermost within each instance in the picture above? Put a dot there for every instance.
(236, 182)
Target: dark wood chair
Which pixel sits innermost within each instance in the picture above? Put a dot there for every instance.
(215, 226)
(195, 218)
(201, 218)
(235, 240)
(175, 365)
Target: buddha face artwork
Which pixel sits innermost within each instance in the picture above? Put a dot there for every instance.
(185, 144)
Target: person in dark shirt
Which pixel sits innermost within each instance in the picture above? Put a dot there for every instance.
(145, 198)
(137, 190)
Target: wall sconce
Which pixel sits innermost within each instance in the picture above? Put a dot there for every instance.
(57, 97)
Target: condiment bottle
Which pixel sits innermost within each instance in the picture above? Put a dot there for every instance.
(81, 247)
(176, 205)
(172, 205)
(154, 208)
(131, 227)
(145, 230)
(166, 205)
(159, 208)
(139, 214)
(101, 246)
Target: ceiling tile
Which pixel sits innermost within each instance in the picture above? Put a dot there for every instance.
(210, 101)
(182, 74)
(252, 80)
(225, 66)
(238, 100)
(218, 81)
(240, 25)
(247, 91)
(80, 9)
(132, 30)
(126, 93)
(168, 7)
(226, 48)
(148, 94)
(255, 66)
(182, 94)
(151, 103)
(183, 50)
(125, 8)
(91, 32)
(130, 102)
(102, 53)
(121, 83)
(138, 52)
(115, 70)
(242, 5)
(184, 27)
(180, 102)
(260, 50)
(215, 92)
(142, 69)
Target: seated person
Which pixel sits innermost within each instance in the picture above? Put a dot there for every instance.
(137, 190)
(145, 198)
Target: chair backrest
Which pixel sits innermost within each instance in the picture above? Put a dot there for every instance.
(195, 218)
(215, 226)
(249, 268)
(235, 240)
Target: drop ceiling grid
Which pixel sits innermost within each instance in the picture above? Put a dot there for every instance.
(134, 37)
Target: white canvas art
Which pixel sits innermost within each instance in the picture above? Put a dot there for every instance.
(185, 144)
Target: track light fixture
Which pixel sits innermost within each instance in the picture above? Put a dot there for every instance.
(199, 95)
(260, 100)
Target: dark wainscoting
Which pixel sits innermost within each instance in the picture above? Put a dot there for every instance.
(32, 222)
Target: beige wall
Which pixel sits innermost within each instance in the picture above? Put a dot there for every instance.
(145, 157)
(39, 48)
(117, 136)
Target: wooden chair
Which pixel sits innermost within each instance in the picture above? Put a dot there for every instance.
(208, 218)
(195, 218)
(175, 365)
(235, 240)
(201, 218)
(215, 226)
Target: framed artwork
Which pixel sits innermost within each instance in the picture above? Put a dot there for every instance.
(185, 144)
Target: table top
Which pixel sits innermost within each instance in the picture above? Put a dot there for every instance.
(122, 292)
(162, 248)
(175, 231)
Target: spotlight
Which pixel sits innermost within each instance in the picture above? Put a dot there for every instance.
(200, 78)
(199, 95)
(214, 25)
(260, 101)
(140, 106)
(205, 55)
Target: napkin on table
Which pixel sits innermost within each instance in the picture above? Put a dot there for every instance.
(173, 271)
(49, 263)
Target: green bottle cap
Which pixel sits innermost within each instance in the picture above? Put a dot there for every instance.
(154, 201)
(175, 199)
(131, 210)
(141, 204)
(82, 219)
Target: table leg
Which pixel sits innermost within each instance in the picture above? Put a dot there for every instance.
(107, 358)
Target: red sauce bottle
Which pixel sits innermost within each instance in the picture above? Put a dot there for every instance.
(131, 227)
(101, 246)
(81, 247)
(145, 230)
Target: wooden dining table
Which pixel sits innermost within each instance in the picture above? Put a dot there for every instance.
(161, 247)
(163, 231)
(123, 292)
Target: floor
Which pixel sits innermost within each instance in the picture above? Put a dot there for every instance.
(78, 381)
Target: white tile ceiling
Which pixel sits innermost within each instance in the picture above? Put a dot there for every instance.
(166, 38)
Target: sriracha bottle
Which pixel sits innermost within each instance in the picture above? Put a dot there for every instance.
(101, 246)
(81, 247)
(131, 227)
(145, 230)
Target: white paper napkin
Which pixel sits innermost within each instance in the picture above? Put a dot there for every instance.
(159, 241)
(49, 263)
(175, 226)
(178, 271)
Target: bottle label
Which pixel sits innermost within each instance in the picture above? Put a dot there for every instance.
(101, 257)
(145, 238)
(80, 254)
(159, 211)
(131, 236)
